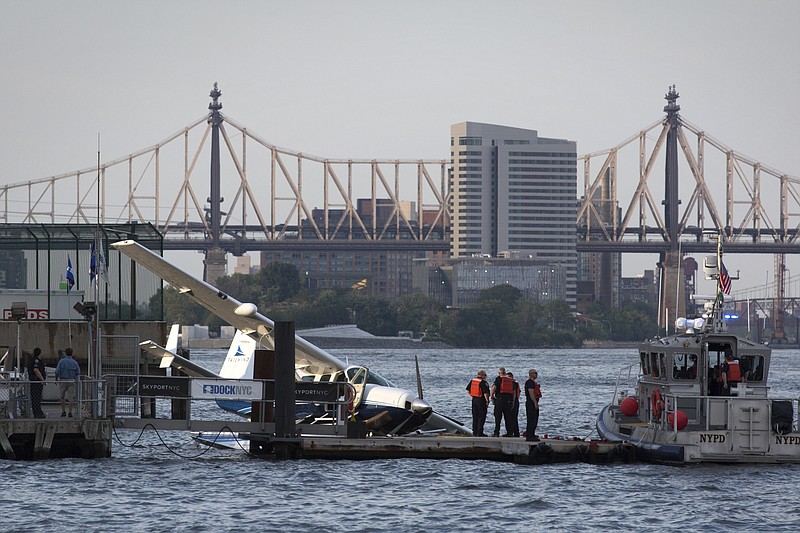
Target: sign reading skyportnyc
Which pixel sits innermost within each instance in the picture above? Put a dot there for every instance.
(227, 389)
(316, 392)
(162, 386)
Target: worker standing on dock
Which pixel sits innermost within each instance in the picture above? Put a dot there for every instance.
(514, 431)
(503, 398)
(533, 393)
(36, 375)
(478, 389)
(67, 371)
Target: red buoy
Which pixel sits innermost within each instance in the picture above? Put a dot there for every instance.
(682, 420)
(629, 406)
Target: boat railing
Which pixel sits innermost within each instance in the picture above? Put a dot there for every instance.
(625, 377)
(705, 412)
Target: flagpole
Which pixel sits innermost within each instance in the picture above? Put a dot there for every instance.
(70, 284)
(96, 321)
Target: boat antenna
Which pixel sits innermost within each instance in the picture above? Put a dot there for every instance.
(678, 286)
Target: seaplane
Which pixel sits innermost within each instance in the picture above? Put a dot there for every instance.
(390, 410)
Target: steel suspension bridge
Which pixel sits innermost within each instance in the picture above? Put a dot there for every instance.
(281, 198)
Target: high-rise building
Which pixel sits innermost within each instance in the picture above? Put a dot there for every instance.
(513, 191)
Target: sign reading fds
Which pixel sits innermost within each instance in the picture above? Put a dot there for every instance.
(33, 314)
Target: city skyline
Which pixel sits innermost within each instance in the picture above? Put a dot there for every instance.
(361, 80)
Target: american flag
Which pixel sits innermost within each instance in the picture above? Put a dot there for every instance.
(724, 279)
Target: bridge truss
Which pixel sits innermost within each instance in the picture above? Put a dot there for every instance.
(620, 209)
(277, 195)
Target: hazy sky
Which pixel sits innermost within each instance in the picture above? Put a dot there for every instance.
(386, 80)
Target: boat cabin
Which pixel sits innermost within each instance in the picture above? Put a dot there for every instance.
(694, 362)
(687, 366)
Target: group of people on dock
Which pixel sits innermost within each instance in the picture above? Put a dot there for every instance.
(504, 394)
(67, 371)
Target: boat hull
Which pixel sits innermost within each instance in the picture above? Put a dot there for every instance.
(664, 445)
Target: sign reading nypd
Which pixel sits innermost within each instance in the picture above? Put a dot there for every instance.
(227, 389)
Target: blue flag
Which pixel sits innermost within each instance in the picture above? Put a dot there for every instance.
(93, 264)
(97, 267)
(70, 276)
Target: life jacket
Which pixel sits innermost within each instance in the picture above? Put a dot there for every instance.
(537, 390)
(506, 385)
(475, 388)
(734, 371)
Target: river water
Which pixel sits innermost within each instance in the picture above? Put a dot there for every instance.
(165, 482)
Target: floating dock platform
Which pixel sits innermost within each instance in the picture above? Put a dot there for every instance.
(55, 438)
(503, 449)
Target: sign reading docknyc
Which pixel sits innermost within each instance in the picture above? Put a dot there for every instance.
(231, 389)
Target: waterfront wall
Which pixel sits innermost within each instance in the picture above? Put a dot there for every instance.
(52, 335)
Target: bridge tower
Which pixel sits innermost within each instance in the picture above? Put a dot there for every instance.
(673, 299)
(215, 263)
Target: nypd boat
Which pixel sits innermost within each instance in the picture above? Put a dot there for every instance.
(701, 395)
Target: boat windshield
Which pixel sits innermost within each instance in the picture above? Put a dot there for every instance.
(684, 365)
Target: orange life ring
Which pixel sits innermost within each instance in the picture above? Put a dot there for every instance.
(657, 404)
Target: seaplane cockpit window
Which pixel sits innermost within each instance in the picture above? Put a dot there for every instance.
(356, 374)
(375, 379)
(684, 366)
(318, 378)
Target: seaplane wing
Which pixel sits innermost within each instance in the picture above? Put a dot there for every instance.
(176, 361)
(243, 316)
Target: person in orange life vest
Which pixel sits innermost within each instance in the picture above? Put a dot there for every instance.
(478, 389)
(731, 372)
(532, 394)
(514, 409)
(503, 397)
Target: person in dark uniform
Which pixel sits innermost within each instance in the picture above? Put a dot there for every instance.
(503, 397)
(36, 375)
(532, 394)
(478, 389)
(730, 372)
(514, 408)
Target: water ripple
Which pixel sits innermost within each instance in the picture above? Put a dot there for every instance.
(148, 488)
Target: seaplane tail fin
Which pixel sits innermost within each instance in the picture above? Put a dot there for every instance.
(239, 360)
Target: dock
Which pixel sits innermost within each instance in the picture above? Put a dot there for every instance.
(501, 449)
(55, 438)
(85, 434)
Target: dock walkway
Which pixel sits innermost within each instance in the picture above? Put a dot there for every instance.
(503, 449)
